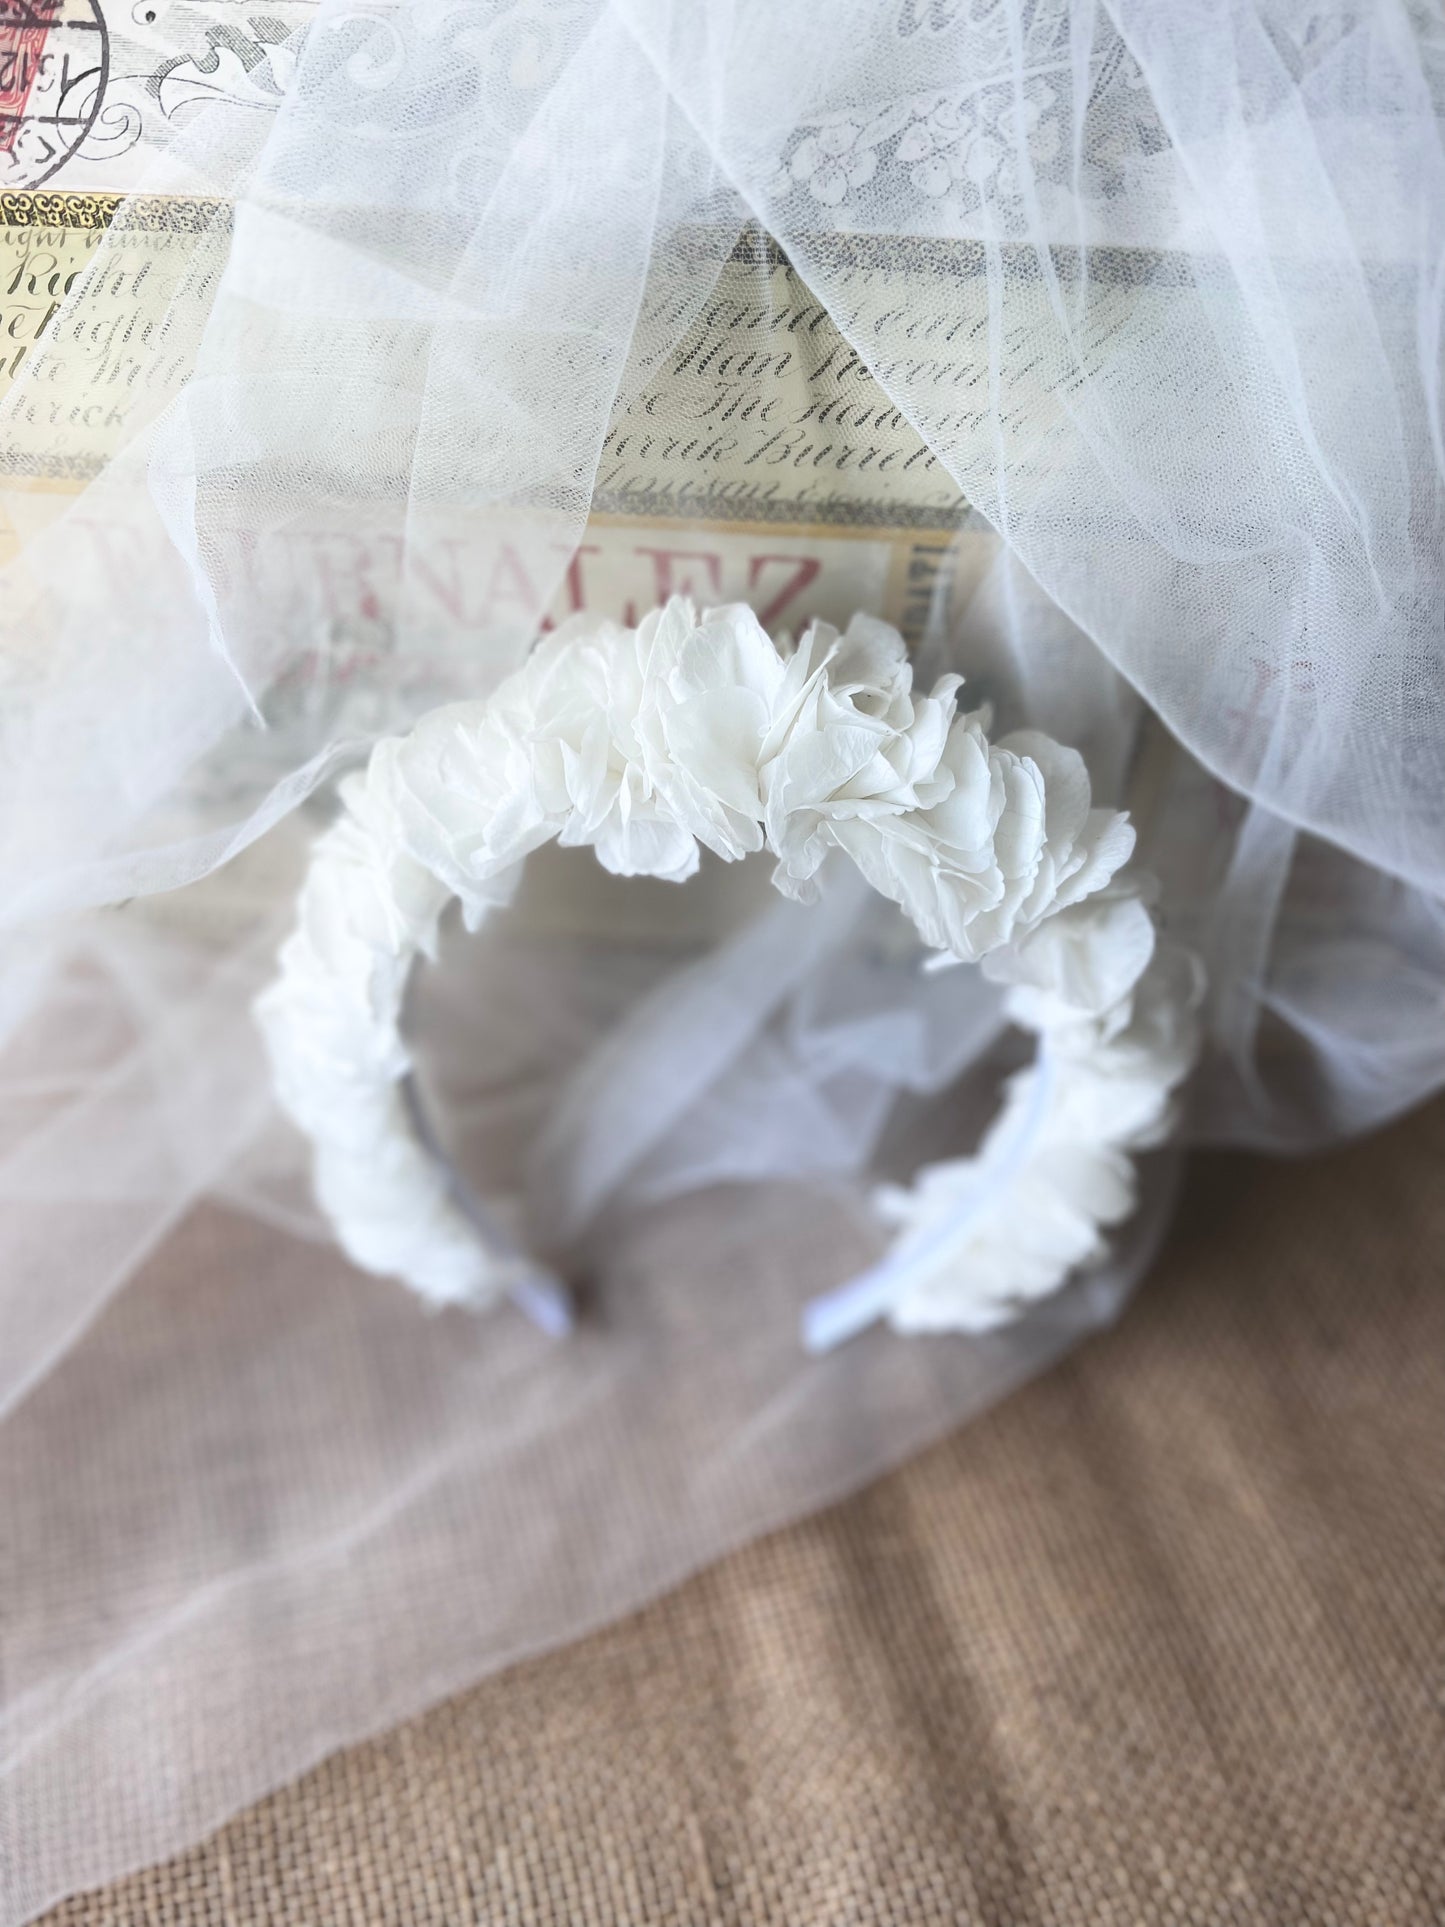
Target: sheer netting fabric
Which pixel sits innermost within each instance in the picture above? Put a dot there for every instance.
(1097, 348)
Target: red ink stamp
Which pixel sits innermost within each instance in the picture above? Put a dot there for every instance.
(54, 63)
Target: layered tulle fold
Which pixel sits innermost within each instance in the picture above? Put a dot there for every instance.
(1132, 311)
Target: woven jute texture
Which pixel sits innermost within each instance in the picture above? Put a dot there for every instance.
(1162, 1640)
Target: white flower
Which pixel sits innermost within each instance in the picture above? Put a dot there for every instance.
(1041, 1224)
(389, 1201)
(557, 751)
(1081, 963)
(935, 147)
(850, 745)
(365, 907)
(710, 692)
(467, 795)
(978, 1238)
(834, 160)
(934, 159)
(641, 743)
(587, 690)
(744, 745)
(1010, 837)
(963, 868)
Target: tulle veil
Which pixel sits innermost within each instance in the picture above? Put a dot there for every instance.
(1098, 346)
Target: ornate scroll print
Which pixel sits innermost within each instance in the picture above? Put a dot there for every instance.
(761, 463)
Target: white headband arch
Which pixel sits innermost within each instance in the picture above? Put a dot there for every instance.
(697, 730)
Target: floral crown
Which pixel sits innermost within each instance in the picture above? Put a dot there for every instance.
(697, 730)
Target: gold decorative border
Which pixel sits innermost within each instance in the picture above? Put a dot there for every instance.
(820, 515)
(893, 253)
(144, 213)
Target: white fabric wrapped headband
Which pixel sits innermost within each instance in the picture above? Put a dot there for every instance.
(697, 730)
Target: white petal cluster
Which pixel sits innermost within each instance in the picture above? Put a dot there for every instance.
(1116, 1014)
(695, 730)
(331, 1021)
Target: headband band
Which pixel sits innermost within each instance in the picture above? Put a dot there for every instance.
(696, 730)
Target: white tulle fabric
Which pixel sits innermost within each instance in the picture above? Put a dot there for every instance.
(695, 730)
(1173, 328)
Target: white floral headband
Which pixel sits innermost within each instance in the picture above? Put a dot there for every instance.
(697, 730)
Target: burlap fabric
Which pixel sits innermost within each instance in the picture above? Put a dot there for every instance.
(1162, 1640)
